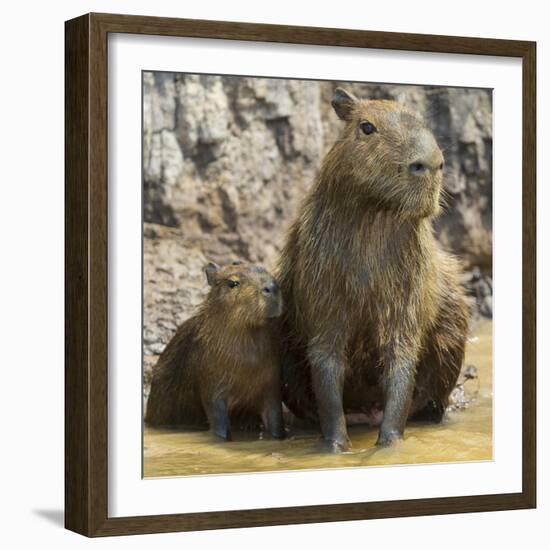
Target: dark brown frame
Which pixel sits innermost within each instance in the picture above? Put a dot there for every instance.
(86, 273)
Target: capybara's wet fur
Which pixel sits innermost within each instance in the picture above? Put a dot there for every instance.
(375, 317)
(225, 360)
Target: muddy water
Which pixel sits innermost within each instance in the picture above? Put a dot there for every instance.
(465, 435)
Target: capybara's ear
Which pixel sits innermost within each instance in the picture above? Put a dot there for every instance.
(343, 103)
(211, 269)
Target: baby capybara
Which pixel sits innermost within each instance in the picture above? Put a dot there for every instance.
(376, 317)
(225, 360)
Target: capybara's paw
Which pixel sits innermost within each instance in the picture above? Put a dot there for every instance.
(387, 437)
(222, 434)
(337, 446)
(278, 434)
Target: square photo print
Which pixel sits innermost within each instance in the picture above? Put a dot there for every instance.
(317, 274)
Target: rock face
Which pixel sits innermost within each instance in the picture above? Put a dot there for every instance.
(226, 161)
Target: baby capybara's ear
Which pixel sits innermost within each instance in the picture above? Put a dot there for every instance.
(211, 269)
(343, 103)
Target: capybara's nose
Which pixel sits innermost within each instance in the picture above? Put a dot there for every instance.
(426, 154)
(271, 288)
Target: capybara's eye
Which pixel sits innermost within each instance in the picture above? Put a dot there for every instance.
(417, 167)
(232, 284)
(367, 127)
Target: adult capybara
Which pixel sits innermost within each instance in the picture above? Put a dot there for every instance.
(225, 360)
(375, 314)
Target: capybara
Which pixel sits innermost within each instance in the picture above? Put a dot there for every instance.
(225, 360)
(376, 318)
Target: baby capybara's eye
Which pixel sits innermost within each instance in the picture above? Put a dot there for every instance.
(367, 127)
(232, 284)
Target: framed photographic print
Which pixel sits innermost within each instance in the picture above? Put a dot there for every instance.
(300, 275)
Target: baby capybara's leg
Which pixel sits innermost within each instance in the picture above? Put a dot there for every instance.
(218, 417)
(272, 418)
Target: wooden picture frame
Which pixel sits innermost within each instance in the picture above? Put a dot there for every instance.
(86, 280)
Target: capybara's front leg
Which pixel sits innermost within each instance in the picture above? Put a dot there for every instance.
(273, 418)
(327, 375)
(398, 389)
(218, 417)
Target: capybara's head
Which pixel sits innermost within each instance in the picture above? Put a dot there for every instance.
(247, 293)
(387, 155)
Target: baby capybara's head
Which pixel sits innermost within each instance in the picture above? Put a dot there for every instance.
(388, 156)
(247, 294)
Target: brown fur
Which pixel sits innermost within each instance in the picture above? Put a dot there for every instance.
(224, 360)
(372, 300)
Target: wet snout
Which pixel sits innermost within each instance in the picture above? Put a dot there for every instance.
(425, 155)
(273, 298)
(271, 287)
